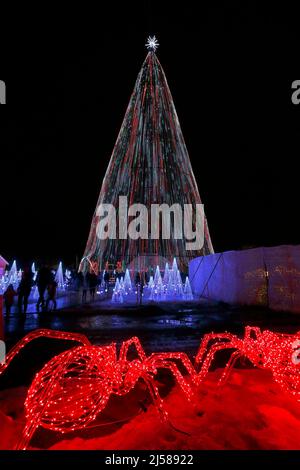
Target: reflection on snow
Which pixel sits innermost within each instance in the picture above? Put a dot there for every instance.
(184, 321)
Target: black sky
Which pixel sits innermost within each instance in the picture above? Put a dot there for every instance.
(69, 78)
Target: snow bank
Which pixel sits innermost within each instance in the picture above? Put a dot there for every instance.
(250, 412)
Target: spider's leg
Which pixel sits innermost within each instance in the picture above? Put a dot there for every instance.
(156, 398)
(42, 333)
(28, 432)
(126, 345)
(210, 337)
(158, 402)
(210, 357)
(168, 364)
(179, 356)
(249, 329)
(230, 364)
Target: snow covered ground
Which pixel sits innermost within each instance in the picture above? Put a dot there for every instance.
(249, 412)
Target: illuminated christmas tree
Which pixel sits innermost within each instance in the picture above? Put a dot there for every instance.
(59, 277)
(187, 290)
(150, 165)
(127, 282)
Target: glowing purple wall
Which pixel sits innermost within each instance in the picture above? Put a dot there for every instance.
(260, 276)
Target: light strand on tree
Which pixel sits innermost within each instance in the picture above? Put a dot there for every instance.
(149, 164)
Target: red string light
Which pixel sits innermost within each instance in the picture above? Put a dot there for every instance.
(74, 387)
(267, 350)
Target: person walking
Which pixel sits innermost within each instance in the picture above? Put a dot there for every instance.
(51, 289)
(24, 289)
(106, 278)
(93, 282)
(142, 288)
(137, 281)
(43, 278)
(85, 286)
(9, 295)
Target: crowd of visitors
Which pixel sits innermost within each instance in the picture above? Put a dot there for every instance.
(46, 287)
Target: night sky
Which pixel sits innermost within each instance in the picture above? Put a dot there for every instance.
(69, 77)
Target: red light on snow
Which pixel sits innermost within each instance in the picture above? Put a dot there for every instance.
(75, 386)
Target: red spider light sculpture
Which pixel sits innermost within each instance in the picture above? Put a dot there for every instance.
(276, 352)
(75, 386)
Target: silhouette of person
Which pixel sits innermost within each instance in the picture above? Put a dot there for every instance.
(137, 281)
(43, 278)
(85, 286)
(93, 282)
(51, 289)
(106, 281)
(24, 289)
(79, 280)
(142, 287)
(9, 295)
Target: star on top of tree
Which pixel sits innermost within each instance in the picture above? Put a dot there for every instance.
(152, 43)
